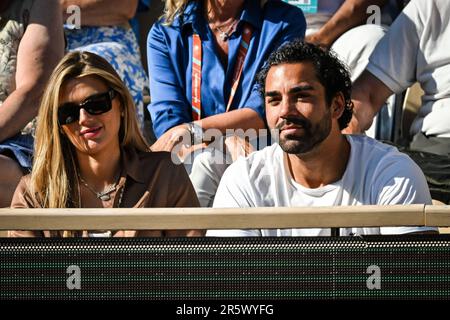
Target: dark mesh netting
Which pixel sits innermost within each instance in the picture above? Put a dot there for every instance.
(370, 267)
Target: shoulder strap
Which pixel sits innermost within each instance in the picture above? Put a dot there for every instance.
(197, 70)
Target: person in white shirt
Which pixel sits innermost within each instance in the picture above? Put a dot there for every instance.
(415, 49)
(307, 96)
(352, 28)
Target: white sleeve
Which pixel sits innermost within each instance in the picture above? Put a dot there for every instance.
(394, 59)
(400, 181)
(233, 192)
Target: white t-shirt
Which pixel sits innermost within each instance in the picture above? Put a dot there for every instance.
(376, 174)
(417, 48)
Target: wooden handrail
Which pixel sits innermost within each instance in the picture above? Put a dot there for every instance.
(229, 218)
(437, 215)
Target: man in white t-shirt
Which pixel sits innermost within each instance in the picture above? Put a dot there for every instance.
(415, 49)
(307, 96)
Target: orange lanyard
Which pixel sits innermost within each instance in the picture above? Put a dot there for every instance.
(197, 71)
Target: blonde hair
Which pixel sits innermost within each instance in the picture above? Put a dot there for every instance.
(54, 173)
(172, 9)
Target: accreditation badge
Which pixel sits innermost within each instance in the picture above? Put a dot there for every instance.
(307, 6)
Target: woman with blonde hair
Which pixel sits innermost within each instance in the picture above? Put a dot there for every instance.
(89, 152)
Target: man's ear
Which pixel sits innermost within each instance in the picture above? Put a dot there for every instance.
(337, 105)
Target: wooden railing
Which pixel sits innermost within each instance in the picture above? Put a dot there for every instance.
(230, 218)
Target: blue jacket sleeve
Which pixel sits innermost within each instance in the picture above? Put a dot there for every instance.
(169, 106)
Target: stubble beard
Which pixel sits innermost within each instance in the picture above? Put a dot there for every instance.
(312, 137)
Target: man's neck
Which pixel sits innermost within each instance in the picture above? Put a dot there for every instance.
(220, 11)
(324, 165)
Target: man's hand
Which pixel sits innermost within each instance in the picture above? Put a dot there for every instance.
(316, 39)
(350, 14)
(368, 95)
(355, 127)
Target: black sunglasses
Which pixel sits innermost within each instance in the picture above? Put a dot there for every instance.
(96, 104)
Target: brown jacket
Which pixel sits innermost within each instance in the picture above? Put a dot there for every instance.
(151, 179)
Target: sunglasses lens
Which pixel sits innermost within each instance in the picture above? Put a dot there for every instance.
(98, 105)
(68, 114)
(94, 105)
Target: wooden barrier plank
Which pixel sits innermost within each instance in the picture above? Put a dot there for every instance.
(437, 216)
(209, 218)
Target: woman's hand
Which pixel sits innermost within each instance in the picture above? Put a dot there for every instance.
(177, 140)
(173, 137)
(238, 147)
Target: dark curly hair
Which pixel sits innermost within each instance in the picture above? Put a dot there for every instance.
(330, 71)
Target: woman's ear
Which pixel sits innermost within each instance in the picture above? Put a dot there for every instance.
(122, 109)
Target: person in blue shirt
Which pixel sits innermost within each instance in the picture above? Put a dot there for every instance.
(220, 25)
(226, 32)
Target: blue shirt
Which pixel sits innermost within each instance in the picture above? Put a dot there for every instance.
(169, 53)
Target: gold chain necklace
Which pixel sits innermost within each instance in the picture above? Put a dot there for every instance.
(120, 196)
(104, 195)
(225, 35)
(66, 233)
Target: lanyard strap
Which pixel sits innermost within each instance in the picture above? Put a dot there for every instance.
(196, 77)
(197, 71)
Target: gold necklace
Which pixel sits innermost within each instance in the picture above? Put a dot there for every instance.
(225, 35)
(66, 233)
(104, 195)
(120, 196)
